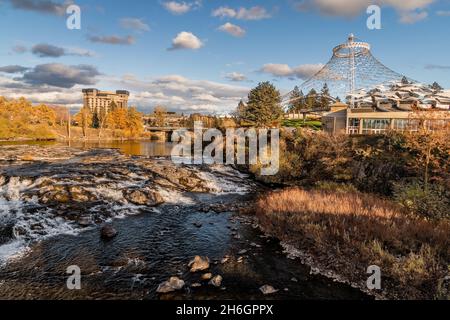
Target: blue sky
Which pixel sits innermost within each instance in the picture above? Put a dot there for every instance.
(219, 49)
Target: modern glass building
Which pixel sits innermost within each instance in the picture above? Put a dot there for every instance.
(344, 120)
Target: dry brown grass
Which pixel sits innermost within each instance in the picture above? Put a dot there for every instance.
(347, 232)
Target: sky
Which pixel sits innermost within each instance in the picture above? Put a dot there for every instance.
(205, 55)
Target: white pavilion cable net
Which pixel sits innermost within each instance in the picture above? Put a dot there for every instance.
(351, 69)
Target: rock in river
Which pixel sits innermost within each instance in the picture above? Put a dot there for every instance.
(108, 231)
(207, 276)
(144, 197)
(6, 232)
(266, 289)
(216, 281)
(199, 264)
(171, 285)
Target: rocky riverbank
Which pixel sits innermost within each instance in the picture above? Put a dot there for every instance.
(138, 228)
(48, 191)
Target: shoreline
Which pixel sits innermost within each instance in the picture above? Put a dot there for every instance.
(247, 244)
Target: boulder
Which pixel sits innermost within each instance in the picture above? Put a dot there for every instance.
(199, 264)
(266, 289)
(216, 281)
(207, 276)
(58, 194)
(6, 232)
(225, 260)
(144, 197)
(84, 221)
(171, 285)
(108, 232)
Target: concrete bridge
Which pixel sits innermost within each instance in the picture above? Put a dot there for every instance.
(164, 134)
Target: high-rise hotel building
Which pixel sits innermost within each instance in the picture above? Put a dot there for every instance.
(100, 101)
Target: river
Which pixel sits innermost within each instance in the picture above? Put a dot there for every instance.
(154, 243)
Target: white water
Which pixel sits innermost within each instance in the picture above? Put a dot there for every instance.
(31, 227)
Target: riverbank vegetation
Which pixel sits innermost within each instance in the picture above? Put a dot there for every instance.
(412, 169)
(20, 120)
(346, 232)
(352, 202)
(119, 123)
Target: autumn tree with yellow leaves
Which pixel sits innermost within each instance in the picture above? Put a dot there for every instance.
(125, 122)
(19, 119)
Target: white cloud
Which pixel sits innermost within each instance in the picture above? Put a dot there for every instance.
(304, 71)
(410, 11)
(134, 24)
(236, 77)
(179, 93)
(186, 40)
(39, 94)
(176, 92)
(232, 29)
(114, 40)
(206, 97)
(179, 8)
(224, 12)
(253, 13)
(443, 13)
(411, 17)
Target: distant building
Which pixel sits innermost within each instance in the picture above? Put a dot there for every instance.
(100, 101)
(345, 120)
(168, 119)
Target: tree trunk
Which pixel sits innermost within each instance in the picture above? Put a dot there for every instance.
(68, 127)
(427, 166)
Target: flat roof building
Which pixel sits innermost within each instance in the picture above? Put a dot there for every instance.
(100, 101)
(345, 120)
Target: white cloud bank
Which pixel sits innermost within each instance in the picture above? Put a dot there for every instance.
(304, 71)
(410, 11)
(253, 13)
(180, 7)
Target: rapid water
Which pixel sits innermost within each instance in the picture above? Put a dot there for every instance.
(152, 245)
(155, 245)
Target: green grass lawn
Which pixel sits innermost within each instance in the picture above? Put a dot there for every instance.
(298, 123)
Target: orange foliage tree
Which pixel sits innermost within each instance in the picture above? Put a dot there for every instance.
(19, 119)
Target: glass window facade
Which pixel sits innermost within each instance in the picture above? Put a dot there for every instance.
(375, 126)
(353, 125)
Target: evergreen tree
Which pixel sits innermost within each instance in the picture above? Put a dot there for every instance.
(436, 87)
(405, 80)
(264, 105)
(296, 98)
(311, 99)
(325, 93)
(239, 113)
